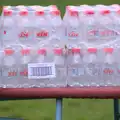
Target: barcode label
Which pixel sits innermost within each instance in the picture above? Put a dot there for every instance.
(41, 70)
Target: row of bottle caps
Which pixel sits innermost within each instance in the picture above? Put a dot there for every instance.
(95, 9)
(81, 8)
(34, 8)
(74, 55)
(67, 32)
(27, 10)
(25, 51)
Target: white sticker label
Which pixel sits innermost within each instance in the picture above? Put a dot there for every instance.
(41, 70)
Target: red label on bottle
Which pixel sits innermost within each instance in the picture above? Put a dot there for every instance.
(12, 74)
(24, 73)
(73, 34)
(4, 32)
(24, 34)
(42, 34)
(108, 71)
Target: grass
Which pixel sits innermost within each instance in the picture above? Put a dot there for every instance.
(73, 109)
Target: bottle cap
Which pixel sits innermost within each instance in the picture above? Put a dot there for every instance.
(25, 51)
(73, 13)
(89, 12)
(92, 50)
(23, 13)
(108, 50)
(105, 12)
(7, 12)
(39, 12)
(58, 51)
(8, 51)
(75, 50)
(42, 51)
(56, 12)
(118, 12)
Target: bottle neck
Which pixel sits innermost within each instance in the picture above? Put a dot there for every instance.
(108, 58)
(41, 58)
(92, 58)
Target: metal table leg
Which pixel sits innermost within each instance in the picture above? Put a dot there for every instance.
(59, 109)
(116, 110)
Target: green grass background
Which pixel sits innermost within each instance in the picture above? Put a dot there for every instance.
(73, 109)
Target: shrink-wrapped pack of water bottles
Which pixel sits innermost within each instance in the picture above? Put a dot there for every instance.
(39, 48)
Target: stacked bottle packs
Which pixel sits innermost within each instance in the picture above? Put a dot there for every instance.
(88, 28)
(29, 26)
(93, 44)
(93, 67)
(39, 49)
(31, 48)
(33, 68)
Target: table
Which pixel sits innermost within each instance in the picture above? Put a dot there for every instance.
(60, 93)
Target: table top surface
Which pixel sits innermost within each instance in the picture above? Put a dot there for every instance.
(35, 93)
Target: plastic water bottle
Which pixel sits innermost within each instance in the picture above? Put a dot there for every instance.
(57, 27)
(25, 29)
(10, 68)
(72, 30)
(9, 34)
(92, 67)
(37, 71)
(89, 25)
(108, 67)
(25, 59)
(60, 69)
(105, 32)
(75, 70)
(42, 29)
(116, 18)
